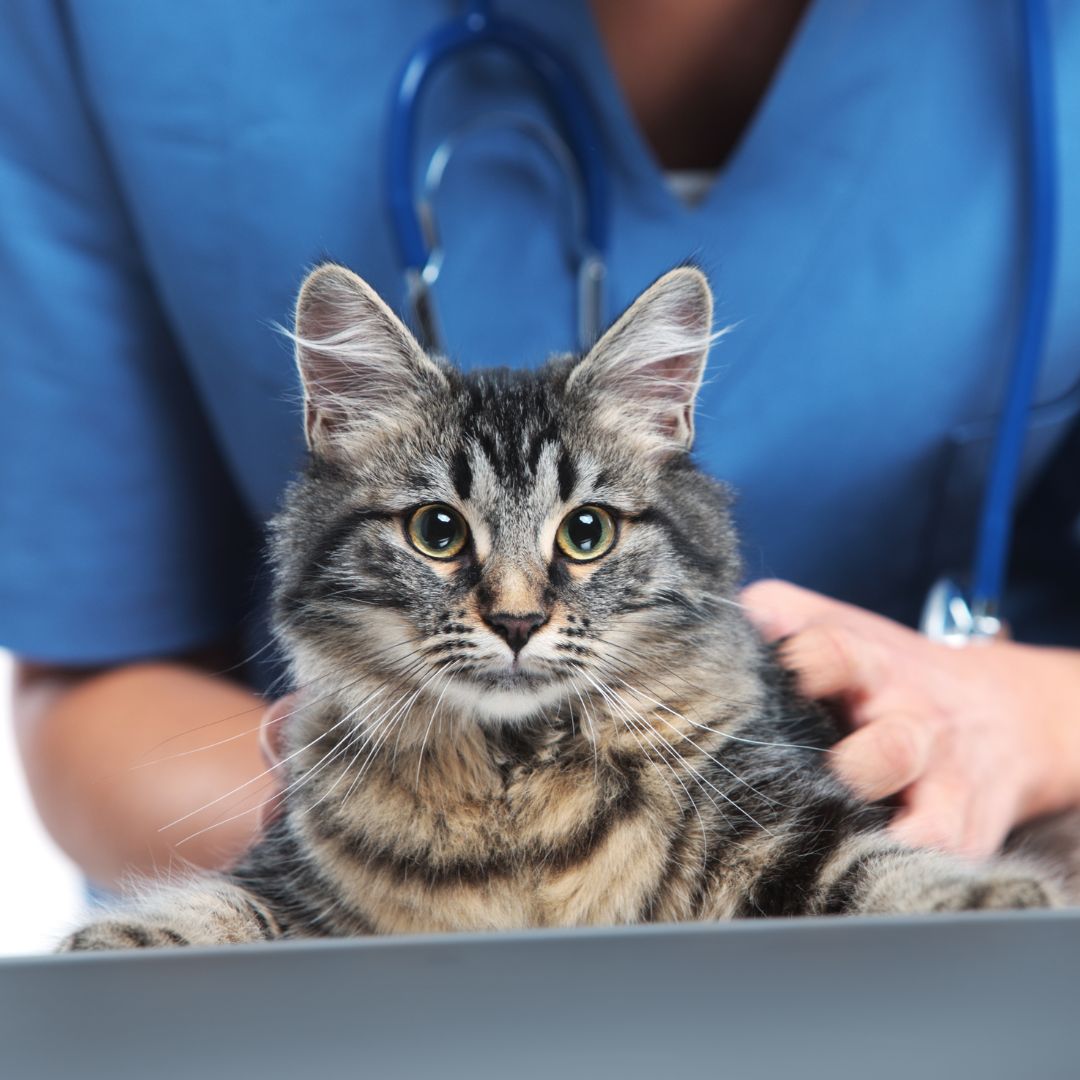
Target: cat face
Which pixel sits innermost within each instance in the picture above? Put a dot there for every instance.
(503, 543)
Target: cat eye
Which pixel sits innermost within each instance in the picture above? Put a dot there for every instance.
(438, 531)
(586, 533)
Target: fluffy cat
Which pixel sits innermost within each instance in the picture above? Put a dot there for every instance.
(526, 695)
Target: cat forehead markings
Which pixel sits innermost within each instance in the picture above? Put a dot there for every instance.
(513, 449)
(511, 416)
(517, 515)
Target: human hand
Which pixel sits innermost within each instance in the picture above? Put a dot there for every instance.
(974, 740)
(271, 745)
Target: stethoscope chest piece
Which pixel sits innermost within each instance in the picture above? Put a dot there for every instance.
(947, 617)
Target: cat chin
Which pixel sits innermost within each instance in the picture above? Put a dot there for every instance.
(494, 705)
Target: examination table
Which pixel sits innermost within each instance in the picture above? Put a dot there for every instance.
(979, 996)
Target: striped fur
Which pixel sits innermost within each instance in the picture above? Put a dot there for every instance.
(641, 758)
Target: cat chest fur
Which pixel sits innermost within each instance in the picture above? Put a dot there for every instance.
(495, 832)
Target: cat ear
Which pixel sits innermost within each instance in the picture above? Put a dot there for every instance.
(643, 375)
(361, 368)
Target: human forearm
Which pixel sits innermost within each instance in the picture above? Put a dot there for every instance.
(113, 757)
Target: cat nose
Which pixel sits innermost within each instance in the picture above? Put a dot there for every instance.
(516, 629)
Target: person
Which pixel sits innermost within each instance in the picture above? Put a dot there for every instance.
(850, 175)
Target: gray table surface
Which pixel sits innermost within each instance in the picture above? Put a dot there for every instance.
(970, 996)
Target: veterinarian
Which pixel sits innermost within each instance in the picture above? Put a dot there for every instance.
(853, 179)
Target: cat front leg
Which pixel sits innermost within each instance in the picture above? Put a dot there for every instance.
(204, 911)
(875, 878)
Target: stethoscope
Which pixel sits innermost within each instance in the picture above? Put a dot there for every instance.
(573, 142)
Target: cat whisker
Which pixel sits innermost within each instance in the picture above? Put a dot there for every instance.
(363, 731)
(251, 657)
(278, 795)
(389, 725)
(727, 798)
(712, 598)
(260, 707)
(345, 589)
(700, 690)
(377, 738)
(247, 783)
(715, 761)
(345, 744)
(633, 729)
(437, 673)
(728, 734)
(630, 725)
(587, 716)
(427, 731)
(703, 784)
(362, 735)
(701, 600)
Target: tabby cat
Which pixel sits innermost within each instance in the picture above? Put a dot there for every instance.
(527, 697)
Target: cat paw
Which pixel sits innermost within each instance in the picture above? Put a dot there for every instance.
(996, 893)
(112, 934)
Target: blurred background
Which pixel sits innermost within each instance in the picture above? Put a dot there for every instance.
(32, 919)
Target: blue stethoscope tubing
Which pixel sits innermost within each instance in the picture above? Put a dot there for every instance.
(569, 106)
(996, 516)
(951, 613)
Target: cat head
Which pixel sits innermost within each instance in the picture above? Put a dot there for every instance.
(505, 543)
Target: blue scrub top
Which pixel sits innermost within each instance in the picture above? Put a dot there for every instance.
(168, 172)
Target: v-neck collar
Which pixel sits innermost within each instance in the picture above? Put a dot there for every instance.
(789, 185)
(627, 149)
(824, 49)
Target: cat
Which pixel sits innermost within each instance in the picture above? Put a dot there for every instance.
(527, 696)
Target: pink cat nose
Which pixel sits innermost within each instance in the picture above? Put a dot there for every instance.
(516, 629)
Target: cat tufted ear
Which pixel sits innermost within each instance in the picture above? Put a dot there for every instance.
(361, 369)
(643, 375)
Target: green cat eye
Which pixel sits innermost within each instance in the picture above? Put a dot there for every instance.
(438, 531)
(586, 533)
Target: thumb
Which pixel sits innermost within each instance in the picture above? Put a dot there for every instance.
(779, 609)
(271, 738)
(272, 745)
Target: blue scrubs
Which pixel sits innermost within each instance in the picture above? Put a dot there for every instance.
(169, 171)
